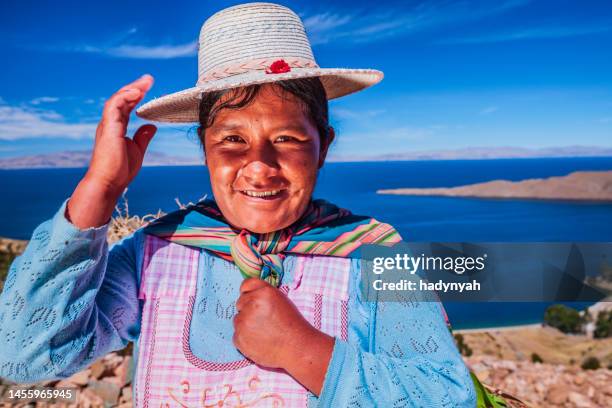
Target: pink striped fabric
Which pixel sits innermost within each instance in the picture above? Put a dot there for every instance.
(170, 375)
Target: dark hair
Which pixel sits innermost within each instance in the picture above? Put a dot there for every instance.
(309, 91)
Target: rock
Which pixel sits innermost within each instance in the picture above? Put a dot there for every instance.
(126, 394)
(87, 399)
(579, 401)
(579, 379)
(602, 400)
(114, 380)
(122, 372)
(49, 383)
(98, 369)
(80, 378)
(507, 364)
(66, 383)
(113, 360)
(557, 394)
(590, 392)
(498, 375)
(483, 375)
(106, 390)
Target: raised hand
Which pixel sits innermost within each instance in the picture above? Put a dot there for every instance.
(116, 158)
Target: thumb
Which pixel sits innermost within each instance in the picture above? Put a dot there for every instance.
(143, 136)
(250, 284)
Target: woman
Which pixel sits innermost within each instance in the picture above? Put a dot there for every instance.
(251, 299)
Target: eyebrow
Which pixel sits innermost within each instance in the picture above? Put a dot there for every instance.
(232, 127)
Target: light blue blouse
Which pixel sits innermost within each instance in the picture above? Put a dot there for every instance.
(69, 300)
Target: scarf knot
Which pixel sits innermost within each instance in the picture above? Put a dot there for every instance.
(260, 255)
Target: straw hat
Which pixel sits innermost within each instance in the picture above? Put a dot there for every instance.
(253, 43)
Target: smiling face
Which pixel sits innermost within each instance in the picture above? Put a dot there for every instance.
(263, 160)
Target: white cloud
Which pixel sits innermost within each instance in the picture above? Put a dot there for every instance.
(21, 122)
(124, 45)
(25, 122)
(366, 26)
(326, 21)
(166, 51)
(44, 99)
(343, 113)
(529, 34)
(488, 110)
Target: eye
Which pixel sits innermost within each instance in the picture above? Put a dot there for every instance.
(285, 138)
(233, 139)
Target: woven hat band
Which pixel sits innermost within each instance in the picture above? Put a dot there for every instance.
(261, 64)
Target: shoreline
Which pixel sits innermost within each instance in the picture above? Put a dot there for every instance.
(499, 328)
(604, 304)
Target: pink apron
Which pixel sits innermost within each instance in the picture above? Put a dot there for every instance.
(168, 374)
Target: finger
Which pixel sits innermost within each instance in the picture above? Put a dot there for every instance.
(143, 136)
(236, 341)
(244, 299)
(144, 83)
(117, 109)
(120, 104)
(237, 323)
(251, 284)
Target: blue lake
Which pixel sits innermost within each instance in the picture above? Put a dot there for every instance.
(32, 196)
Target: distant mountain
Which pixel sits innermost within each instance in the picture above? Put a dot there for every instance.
(81, 159)
(474, 153)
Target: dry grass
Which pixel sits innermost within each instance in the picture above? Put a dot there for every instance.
(123, 224)
(550, 344)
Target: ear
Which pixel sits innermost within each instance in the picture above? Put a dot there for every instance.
(331, 134)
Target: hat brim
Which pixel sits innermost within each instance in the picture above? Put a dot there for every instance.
(183, 106)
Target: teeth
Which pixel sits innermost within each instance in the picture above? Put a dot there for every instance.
(261, 193)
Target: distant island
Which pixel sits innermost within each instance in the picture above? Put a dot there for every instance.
(580, 185)
(81, 158)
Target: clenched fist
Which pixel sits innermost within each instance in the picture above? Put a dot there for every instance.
(271, 331)
(268, 328)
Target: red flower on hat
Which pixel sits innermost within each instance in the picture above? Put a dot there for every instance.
(278, 67)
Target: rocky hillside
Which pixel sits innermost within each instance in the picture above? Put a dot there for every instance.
(108, 382)
(546, 385)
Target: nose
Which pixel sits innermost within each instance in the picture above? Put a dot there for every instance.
(261, 164)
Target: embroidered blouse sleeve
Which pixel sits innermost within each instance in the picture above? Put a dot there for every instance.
(67, 301)
(409, 359)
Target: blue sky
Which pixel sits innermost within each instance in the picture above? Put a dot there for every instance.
(457, 73)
